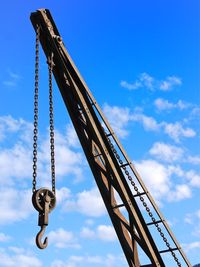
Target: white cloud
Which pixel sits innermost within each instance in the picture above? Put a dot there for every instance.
(74, 261)
(163, 105)
(106, 233)
(159, 180)
(131, 86)
(67, 161)
(103, 232)
(16, 167)
(12, 257)
(176, 131)
(16, 158)
(194, 178)
(118, 118)
(15, 162)
(9, 125)
(61, 238)
(155, 176)
(166, 152)
(194, 160)
(108, 260)
(88, 203)
(15, 205)
(149, 123)
(62, 195)
(88, 233)
(182, 191)
(169, 83)
(147, 81)
(175, 169)
(71, 136)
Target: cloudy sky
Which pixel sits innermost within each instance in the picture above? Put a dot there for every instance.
(140, 59)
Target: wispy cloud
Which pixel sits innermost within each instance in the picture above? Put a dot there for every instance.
(61, 238)
(16, 161)
(72, 137)
(119, 117)
(82, 203)
(147, 81)
(148, 122)
(108, 260)
(10, 125)
(171, 153)
(164, 105)
(12, 79)
(193, 178)
(180, 192)
(15, 205)
(177, 131)
(194, 160)
(169, 83)
(131, 86)
(102, 232)
(15, 256)
(158, 179)
(166, 152)
(193, 219)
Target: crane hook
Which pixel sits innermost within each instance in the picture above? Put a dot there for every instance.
(39, 237)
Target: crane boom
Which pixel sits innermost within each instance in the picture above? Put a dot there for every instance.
(132, 210)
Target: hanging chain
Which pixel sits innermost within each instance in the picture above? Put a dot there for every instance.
(35, 130)
(43, 199)
(51, 115)
(144, 203)
(51, 122)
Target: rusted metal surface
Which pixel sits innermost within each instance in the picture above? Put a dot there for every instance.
(109, 169)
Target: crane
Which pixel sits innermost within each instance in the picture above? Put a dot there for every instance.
(133, 212)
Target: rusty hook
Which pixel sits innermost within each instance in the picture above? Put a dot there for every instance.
(39, 237)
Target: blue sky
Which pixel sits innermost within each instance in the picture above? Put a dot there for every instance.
(140, 59)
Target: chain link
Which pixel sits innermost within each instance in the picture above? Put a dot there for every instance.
(51, 122)
(143, 202)
(35, 124)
